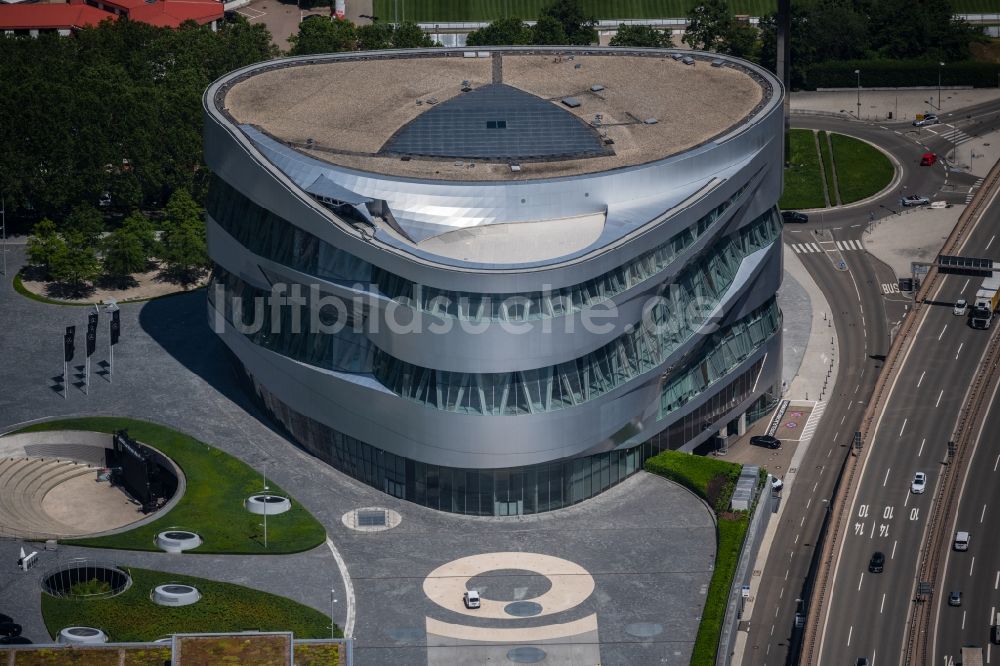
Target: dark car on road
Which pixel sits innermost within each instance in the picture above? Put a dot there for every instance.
(877, 563)
(794, 217)
(10, 629)
(15, 640)
(767, 441)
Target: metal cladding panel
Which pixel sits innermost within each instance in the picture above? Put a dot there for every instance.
(363, 410)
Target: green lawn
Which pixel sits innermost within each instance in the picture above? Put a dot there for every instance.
(131, 616)
(429, 11)
(713, 480)
(212, 505)
(861, 169)
(803, 184)
(824, 151)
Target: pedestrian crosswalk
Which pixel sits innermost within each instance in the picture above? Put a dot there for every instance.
(972, 191)
(827, 246)
(954, 135)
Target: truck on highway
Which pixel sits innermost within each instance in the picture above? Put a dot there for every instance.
(972, 656)
(986, 303)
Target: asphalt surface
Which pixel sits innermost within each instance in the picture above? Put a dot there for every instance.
(976, 572)
(864, 314)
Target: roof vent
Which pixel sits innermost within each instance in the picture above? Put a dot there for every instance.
(687, 60)
(420, 102)
(598, 117)
(650, 121)
(577, 66)
(466, 86)
(676, 56)
(515, 167)
(571, 102)
(432, 100)
(597, 87)
(718, 62)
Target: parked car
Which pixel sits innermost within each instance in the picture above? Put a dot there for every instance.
(961, 307)
(767, 441)
(928, 159)
(777, 484)
(10, 629)
(877, 563)
(928, 119)
(471, 599)
(794, 217)
(914, 200)
(919, 483)
(15, 640)
(955, 598)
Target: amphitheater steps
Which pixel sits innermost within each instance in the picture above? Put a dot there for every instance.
(24, 484)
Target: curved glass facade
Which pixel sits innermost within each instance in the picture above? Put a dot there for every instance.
(274, 238)
(671, 321)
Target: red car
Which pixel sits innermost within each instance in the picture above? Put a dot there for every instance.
(927, 159)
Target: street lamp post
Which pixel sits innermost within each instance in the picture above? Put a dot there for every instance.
(940, 67)
(858, 72)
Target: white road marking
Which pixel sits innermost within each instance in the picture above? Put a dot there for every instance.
(996, 583)
(803, 521)
(787, 570)
(963, 620)
(972, 565)
(776, 611)
(907, 500)
(992, 238)
(796, 539)
(904, 427)
(959, 349)
(996, 463)
(809, 502)
(851, 630)
(882, 607)
(983, 514)
(942, 331)
(782, 593)
(939, 398)
(886, 479)
(921, 380)
(844, 418)
(993, 610)
(965, 285)
(772, 630)
(893, 556)
(923, 441)
(815, 485)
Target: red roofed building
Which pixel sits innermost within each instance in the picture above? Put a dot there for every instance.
(31, 19)
(64, 19)
(164, 13)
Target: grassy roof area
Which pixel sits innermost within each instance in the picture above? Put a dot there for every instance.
(212, 505)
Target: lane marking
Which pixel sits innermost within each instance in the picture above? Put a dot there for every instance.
(963, 620)
(972, 565)
(942, 331)
(893, 556)
(907, 500)
(851, 630)
(924, 440)
(996, 463)
(782, 593)
(809, 502)
(796, 539)
(939, 398)
(886, 479)
(983, 514)
(882, 607)
(904, 427)
(843, 419)
(992, 238)
(959, 349)
(996, 583)
(787, 570)
(966, 284)
(921, 380)
(803, 521)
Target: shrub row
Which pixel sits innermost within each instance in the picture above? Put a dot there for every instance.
(901, 74)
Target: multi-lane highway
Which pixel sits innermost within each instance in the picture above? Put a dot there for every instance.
(862, 315)
(976, 572)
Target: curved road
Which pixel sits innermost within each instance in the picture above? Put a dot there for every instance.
(863, 317)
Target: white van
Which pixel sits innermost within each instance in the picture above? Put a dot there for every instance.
(961, 541)
(471, 599)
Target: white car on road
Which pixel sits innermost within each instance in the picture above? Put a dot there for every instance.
(919, 483)
(961, 307)
(928, 119)
(914, 200)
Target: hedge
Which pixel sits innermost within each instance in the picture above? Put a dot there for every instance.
(900, 74)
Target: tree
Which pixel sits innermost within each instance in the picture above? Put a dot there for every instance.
(580, 28)
(801, 46)
(184, 251)
(740, 41)
(123, 255)
(324, 36)
(45, 245)
(86, 221)
(708, 24)
(77, 264)
(139, 226)
(548, 31)
(502, 32)
(374, 36)
(182, 209)
(408, 35)
(642, 36)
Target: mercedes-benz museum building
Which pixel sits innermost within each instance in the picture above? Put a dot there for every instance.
(494, 282)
